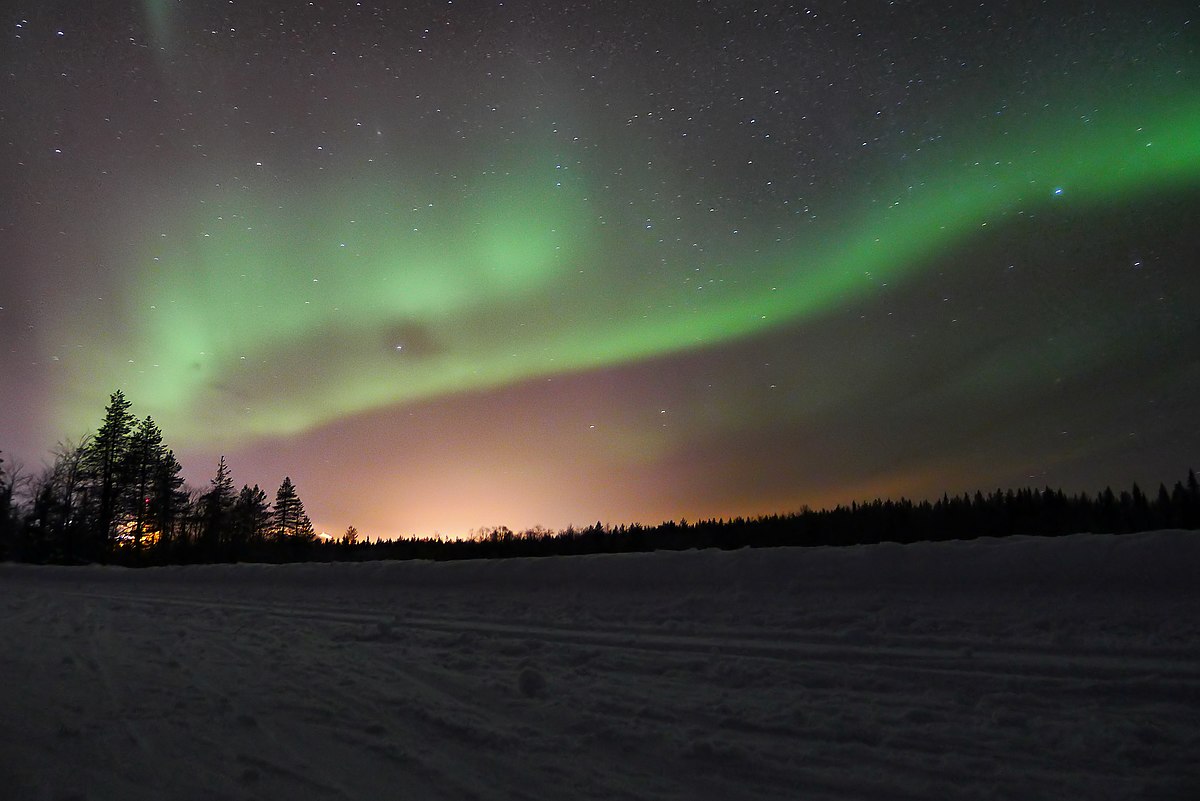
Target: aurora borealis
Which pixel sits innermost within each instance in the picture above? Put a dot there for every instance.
(463, 264)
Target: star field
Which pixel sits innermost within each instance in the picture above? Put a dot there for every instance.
(467, 263)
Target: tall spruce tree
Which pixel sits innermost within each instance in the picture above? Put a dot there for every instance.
(169, 498)
(144, 461)
(250, 520)
(216, 506)
(289, 521)
(106, 459)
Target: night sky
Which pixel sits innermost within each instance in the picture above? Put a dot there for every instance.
(459, 264)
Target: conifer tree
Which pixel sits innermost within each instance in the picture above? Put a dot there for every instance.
(144, 461)
(105, 459)
(289, 521)
(216, 506)
(250, 519)
(169, 497)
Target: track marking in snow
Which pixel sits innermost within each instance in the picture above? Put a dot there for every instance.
(896, 652)
(100, 660)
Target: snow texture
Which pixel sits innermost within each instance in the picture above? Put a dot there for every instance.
(1021, 668)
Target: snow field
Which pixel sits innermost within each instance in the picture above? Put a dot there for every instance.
(1021, 668)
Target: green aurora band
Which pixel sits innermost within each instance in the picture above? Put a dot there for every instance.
(158, 15)
(294, 309)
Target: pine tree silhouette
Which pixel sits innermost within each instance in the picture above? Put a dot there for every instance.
(106, 460)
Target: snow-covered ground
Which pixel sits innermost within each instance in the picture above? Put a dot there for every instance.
(1023, 668)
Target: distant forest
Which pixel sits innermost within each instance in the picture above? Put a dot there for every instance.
(116, 497)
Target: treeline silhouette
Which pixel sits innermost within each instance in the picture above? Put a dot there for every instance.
(1001, 513)
(116, 497)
